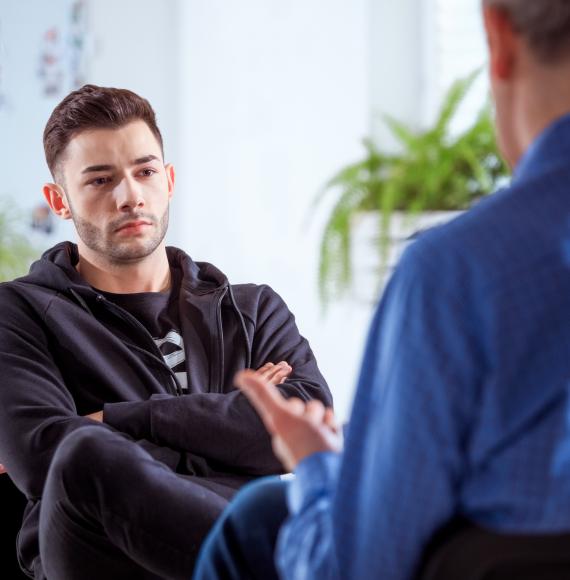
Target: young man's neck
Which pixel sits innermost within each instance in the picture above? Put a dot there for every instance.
(150, 274)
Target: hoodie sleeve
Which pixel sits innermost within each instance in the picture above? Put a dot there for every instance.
(36, 408)
(223, 427)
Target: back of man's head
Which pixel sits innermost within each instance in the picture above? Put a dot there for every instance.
(92, 107)
(545, 24)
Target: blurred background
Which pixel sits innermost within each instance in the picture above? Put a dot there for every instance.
(260, 104)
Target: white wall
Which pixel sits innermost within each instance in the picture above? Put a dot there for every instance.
(397, 72)
(24, 110)
(458, 47)
(135, 46)
(274, 100)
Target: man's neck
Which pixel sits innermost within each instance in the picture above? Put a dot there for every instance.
(150, 274)
(540, 107)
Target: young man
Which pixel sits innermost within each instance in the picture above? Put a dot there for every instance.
(463, 404)
(118, 418)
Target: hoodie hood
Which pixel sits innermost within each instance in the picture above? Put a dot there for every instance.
(56, 270)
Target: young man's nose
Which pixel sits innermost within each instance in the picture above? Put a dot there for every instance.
(129, 194)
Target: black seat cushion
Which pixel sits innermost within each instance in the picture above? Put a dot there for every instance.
(467, 552)
(12, 503)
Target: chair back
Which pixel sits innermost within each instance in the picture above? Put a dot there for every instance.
(463, 551)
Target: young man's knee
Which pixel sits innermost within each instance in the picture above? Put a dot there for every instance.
(80, 453)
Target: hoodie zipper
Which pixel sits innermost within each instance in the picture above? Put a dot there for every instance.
(156, 355)
(220, 340)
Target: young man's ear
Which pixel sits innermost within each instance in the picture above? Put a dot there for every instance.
(171, 177)
(56, 199)
(503, 43)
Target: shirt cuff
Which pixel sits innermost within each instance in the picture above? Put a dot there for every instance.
(315, 476)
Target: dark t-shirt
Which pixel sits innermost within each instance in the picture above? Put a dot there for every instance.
(158, 313)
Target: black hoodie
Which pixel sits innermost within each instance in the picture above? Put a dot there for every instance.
(66, 351)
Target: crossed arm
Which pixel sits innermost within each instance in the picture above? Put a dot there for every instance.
(297, 429)
(269, 373)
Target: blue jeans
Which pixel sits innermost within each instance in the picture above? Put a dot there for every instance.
(241, 545)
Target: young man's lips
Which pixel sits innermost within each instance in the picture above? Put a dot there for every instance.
(133, 226)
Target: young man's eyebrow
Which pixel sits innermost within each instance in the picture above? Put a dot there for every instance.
(138, 161)
(93, 168)
(145, 159)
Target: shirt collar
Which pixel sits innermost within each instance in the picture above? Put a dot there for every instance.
(551, 148)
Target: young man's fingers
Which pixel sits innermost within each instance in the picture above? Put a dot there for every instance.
(266, 366)
(265, 370)
(279, 368)
(280, 375)
(275, 373)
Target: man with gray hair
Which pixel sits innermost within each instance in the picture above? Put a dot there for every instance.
(462, 411)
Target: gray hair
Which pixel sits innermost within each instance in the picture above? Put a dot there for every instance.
(544, 23)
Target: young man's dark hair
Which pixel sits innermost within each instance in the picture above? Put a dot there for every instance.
(119, 419)
(93, 107)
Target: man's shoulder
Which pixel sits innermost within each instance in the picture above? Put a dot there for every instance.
(21, 301)
(255, 294)
(528, 206)
(501, 237)
(20, 289)
(469, 228)
(255, 300)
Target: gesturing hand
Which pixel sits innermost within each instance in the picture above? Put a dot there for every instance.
(275, 374)
(298, 429)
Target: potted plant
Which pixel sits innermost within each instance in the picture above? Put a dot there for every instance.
(433, 171)
(16, 252)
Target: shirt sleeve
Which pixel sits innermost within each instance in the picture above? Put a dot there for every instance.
(305, 544)
(397, 481)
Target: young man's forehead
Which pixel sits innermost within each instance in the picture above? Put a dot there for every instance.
(131, 142)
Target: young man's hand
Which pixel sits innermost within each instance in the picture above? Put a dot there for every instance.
(97, 416)
(275, 374)
(3, 469)
(298, 429)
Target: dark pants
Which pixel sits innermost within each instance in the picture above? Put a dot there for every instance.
(241, 545)
(110, 510)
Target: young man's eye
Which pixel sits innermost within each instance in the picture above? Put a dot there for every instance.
(148, 172)
(100, 181)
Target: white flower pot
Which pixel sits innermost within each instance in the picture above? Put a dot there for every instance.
(369, 275)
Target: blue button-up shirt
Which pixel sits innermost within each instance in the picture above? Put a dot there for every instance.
(462, 406)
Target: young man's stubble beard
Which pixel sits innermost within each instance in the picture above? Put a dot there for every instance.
(119, 251)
